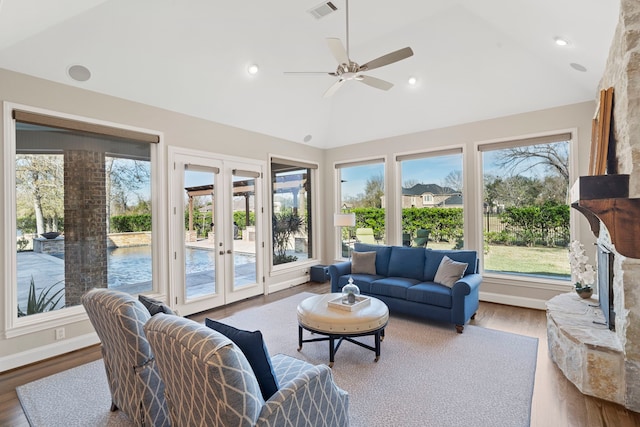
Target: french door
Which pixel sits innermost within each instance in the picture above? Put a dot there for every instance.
(216, 245)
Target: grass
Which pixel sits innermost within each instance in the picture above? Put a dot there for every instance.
(539, 261)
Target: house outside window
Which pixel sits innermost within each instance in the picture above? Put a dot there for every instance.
(435, 180)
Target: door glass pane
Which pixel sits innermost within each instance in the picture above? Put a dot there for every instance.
(526, 210)
(200, 242)
(244, 230)
(432, 208)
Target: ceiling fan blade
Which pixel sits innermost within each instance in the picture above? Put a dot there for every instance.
(337, 49)
(387, 59)
(294, 73)
(375, 82)
(333, 88)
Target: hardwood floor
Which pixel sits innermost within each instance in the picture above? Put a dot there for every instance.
(556, 401)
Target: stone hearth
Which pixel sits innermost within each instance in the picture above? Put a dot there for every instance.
(586, 351)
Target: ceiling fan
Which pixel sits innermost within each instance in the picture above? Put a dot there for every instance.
(349, 70)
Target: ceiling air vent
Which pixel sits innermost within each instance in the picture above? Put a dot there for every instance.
(322, 10)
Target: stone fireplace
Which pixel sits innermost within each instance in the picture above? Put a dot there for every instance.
(602, 362)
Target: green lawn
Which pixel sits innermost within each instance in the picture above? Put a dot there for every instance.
(524, 260)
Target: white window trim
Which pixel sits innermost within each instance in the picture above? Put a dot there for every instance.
(15, 326)
(481, 146)
(276, 270)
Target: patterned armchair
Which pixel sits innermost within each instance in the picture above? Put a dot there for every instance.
(210, 382)
(136, 387)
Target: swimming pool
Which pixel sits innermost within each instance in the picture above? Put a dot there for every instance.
(132, 265)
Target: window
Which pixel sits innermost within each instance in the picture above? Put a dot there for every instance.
(526, 206)
(292, 213)
(362, 193)
(436, 180)
(83, 211)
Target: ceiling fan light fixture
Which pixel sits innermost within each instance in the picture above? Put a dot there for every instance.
(253, 69)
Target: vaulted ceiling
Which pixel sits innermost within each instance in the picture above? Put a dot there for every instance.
(472, 59)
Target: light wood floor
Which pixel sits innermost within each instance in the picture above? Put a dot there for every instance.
(556, 402)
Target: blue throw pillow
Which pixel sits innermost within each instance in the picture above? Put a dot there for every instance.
(154, 306)
(255, 350)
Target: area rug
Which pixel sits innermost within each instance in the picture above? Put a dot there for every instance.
(427, 375)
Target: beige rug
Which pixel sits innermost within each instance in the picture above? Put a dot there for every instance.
(427, 375)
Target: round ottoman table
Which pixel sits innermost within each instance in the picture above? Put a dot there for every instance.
(317, 316)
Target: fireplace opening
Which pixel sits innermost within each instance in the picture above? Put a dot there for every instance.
(605, 285)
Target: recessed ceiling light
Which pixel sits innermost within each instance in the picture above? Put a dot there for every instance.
(578, 67)
(412, 81)
(560, 41)
(253, 69)
(79, 73)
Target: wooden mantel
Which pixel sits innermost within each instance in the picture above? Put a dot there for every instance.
(605, 199)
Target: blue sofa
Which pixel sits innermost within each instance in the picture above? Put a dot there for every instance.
(404, 280)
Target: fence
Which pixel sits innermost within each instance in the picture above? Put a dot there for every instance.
(540, 234)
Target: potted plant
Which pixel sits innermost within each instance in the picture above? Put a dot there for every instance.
(583, 273)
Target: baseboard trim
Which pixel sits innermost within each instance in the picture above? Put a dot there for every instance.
(288, 284)
(525, 302)
(16, 360)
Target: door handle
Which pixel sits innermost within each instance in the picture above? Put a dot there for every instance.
(221, 252)
(229, 251)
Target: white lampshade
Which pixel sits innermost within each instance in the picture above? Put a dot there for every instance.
(344, 220)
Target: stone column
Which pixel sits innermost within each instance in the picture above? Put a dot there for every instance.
(623, 74)
(85, 223)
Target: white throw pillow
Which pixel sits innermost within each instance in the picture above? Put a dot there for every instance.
(450, 271)
(363, 263)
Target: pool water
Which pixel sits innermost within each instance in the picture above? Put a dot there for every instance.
(132, 265)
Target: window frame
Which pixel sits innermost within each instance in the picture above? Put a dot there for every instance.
(424, 154)
(337, 180)
(16, 326)
(313, 167)
(510, 279)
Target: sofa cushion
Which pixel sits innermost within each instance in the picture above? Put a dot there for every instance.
(434, 257)
(450, 271)
(154, 306)
(407, 262)
(382, 256)
(430, 293)
(362, 281)
(363, 263)
(395, 287)
(255, 350)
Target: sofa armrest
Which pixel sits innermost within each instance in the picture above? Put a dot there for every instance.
(465, 299)
(467, 285)
(311, 398)
(336, 271)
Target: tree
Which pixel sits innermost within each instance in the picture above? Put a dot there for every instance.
(374, 190)
(553, 157)
(39, 181)
(124, 178)
(453, 180)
